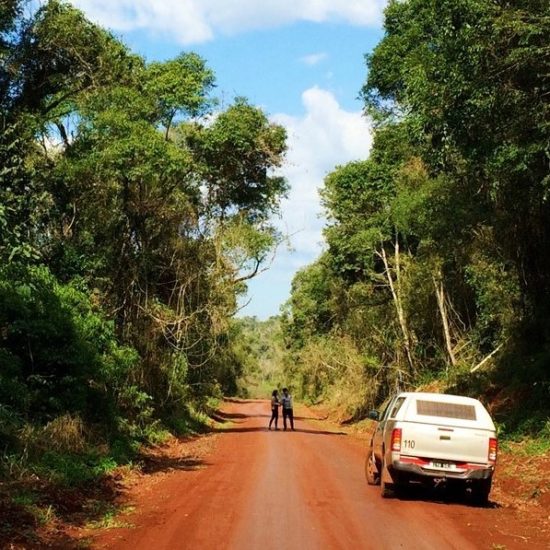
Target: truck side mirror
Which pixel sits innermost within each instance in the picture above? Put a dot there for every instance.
(374, 415)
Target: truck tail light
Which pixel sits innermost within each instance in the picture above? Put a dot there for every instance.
(396, 440)
(493, 450)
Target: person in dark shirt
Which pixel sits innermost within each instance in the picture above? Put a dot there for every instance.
(274, 408)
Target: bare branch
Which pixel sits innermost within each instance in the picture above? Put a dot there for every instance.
(483, 361)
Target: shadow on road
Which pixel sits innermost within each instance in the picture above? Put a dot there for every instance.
(238, 400)
(166, 464)
(318, 432)
(222, 416)
(439, 494)
(248, 429)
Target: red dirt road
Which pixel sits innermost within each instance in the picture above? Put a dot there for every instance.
(292, 490)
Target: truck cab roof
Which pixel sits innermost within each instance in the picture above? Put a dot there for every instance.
(440, 408)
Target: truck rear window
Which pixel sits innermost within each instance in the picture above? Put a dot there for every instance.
(446, 410)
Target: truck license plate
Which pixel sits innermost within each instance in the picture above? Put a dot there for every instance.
(443, 465)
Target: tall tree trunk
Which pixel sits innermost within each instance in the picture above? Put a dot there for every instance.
(395, 288)
(442, 305)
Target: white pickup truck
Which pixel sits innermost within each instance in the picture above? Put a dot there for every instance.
(430, 436)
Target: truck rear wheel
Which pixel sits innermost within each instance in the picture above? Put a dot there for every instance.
(388, 489)
(371, 471)
(480, 491)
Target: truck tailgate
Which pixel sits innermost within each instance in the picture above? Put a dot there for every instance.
(452, 443)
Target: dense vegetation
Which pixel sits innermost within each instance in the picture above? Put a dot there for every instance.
(259, 347)
(437, 268)
(132, 212)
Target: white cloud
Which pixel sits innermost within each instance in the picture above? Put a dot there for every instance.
(183, 20)
(324, 137)
(194, 21)
(313, 59)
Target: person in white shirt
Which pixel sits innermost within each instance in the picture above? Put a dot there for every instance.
(288, 412)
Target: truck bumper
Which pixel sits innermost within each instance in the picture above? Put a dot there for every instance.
(411, 471)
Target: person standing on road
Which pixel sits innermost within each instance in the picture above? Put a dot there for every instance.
(288, 411)
(274, 408)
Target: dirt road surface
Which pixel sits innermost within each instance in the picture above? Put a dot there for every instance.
(260, 489)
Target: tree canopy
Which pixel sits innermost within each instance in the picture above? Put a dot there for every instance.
(132, 212)
(437, 263)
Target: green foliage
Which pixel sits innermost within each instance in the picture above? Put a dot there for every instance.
(438, 243)
(180, 85)
(60, 54)
(237, 153)
(53, 344)
(472, 77)
(258, 348)
(497, 297)
(73, 469)
(119, 275)
(309, 308)
(331, 369)
(358, 198)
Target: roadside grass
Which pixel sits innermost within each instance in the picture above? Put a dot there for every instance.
(110, 517)
(73, 469)
(522, 476)
(29, 502)
(530, 426)
(527, 446)
(194, 420)
(66, 474)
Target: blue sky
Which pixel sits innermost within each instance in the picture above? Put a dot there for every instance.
(302, 61)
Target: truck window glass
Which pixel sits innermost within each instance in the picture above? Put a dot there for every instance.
(397, 405)
(446, 410)
(386, 410)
